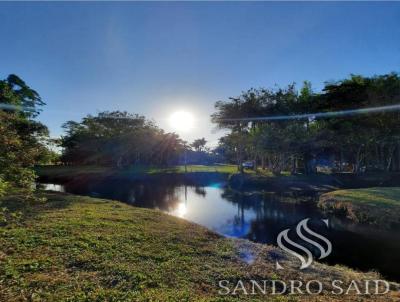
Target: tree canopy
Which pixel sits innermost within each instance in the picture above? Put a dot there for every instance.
(118, 139)
(22, 138)
(199, 144)
(356, 142)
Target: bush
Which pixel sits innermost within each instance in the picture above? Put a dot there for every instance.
(4, 186)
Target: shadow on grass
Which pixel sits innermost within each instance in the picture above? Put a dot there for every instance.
(31, 206)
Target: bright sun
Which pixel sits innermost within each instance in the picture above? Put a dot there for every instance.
(181, 121)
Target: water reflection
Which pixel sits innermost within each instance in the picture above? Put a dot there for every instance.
(258, 216)
(53, 187)
(180, 211)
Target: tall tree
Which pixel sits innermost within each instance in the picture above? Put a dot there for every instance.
(199, 144)
(285, 138)
(118, 139)
(22, 138)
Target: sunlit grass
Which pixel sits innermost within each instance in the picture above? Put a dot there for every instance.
(197, 168)
(74, 248)
(74, 170)
(380, 206)
(138, 169)
(372, 196)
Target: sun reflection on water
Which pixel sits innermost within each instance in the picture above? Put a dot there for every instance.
(181, 210)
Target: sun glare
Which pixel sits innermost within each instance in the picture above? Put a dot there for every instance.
(181, 121)
(181, 210)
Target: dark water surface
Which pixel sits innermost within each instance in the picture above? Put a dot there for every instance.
(256, 216)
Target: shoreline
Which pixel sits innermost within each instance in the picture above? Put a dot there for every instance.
(204, 175)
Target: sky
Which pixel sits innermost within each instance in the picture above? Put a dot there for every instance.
(157, 58)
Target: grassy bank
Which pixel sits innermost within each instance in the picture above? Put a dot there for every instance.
(249, 180)
(285, 182)
(69, 171)
(73, 171)
(380, 206)
(72, 248)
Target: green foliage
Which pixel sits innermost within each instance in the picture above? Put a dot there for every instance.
(48, 157)
(21, 137)
(7, 217)
(118, 139)
(199, 144)
(356, 142)
(3, 187)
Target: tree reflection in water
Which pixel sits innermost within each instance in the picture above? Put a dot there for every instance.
(258, 216)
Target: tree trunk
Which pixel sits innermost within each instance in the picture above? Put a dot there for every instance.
(305, 164)
(341, 161)
(398, 156)
(240, 162)
(381, 156)
(390, 157)
(358, 161)
(293, 171)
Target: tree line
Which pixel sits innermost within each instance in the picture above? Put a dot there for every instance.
(353, 142)
(118, 139)
(121, 139)
(286, 141)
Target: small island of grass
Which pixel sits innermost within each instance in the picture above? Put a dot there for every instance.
(380, 206)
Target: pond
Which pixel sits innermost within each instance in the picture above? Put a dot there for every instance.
(257, 216)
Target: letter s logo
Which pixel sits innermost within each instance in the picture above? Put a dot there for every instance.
(305, 262)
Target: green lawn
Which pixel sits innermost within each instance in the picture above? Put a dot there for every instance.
(372, 205)
(72, 248)
(380, 197)
(77, 170)
(230, 169)
(71, 171)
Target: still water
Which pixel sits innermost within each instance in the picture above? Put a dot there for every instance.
(257, 216)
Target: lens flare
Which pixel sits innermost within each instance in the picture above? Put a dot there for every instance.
(317, 114)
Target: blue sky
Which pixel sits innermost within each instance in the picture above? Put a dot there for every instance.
(155, 58)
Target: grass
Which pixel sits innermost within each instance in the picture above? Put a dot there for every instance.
(66, 171)
(73, 248)
(219, 168)
(380, 206)
(381, 197)
(229, 169)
